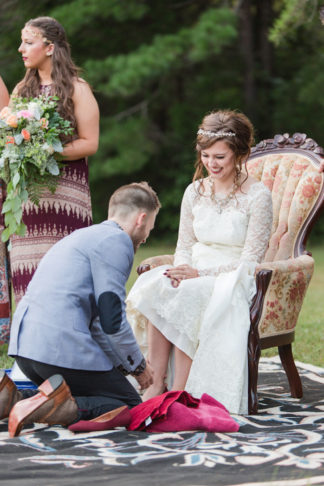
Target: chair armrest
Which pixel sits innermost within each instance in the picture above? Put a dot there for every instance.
(288, 266)
(284, 294)
(153, 262)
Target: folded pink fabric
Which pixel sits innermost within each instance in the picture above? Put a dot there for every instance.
(178, 411)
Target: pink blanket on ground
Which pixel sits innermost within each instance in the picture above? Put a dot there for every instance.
(177, 411)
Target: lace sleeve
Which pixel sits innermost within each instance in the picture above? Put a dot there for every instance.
(186, 235)
(258, 233)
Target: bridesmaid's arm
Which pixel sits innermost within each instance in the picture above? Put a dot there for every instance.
(4, 95)
(87, 117)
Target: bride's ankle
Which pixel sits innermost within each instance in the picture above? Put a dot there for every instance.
(154, 390)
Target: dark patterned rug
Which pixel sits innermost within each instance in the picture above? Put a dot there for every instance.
(281, 446)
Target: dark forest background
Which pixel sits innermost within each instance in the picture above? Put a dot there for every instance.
(158, 66)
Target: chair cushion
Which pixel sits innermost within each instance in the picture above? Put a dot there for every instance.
(295, 184)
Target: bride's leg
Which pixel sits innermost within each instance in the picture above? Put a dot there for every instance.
(182, 369)
(158, 357)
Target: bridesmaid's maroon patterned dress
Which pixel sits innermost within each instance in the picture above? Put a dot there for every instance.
(57, 215)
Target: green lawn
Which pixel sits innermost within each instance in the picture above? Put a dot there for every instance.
(309, 343)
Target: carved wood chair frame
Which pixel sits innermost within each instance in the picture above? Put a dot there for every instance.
(302, 145)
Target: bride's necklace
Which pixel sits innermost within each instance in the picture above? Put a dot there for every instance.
(221, 203)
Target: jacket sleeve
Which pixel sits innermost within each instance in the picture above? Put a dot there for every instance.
(111, 263)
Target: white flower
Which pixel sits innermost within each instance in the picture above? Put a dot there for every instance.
(36, 109)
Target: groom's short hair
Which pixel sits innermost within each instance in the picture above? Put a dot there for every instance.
(133, 197)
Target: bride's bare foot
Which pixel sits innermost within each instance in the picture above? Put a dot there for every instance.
(153, 391)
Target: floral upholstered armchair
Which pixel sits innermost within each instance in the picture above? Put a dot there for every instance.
(288, 166)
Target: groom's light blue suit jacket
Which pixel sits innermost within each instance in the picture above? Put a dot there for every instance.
(73, 313)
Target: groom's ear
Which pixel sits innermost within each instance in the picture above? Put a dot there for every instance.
(141, 218)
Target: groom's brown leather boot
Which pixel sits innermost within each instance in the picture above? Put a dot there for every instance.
(9, 395)
(53, 404)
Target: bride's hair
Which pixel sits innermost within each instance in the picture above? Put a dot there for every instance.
(230, 126)
(64, 71)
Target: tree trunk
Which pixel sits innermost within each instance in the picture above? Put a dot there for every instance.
(247, 47)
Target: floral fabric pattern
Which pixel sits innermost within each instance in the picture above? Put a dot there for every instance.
(285, 294)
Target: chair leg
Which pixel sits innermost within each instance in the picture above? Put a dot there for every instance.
(254, 353)
(287, 360)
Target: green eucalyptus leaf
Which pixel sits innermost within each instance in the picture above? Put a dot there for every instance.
(5, 235)
(16, 179)
(18, 215)
(52, 167)
(24, 195)
(21, 229)
(57, 145)
(18, 138)
(7, 206)
(16, 204)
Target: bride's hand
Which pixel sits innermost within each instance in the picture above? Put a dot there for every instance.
(181, 272)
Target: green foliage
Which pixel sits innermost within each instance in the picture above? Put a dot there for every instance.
(129, 73)
(124, 147)
(293, 14)
(158, 67)
(85, 11)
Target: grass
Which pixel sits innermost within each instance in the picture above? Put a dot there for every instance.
(308, 346)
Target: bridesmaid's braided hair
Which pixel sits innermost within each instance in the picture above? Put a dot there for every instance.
(64, 71)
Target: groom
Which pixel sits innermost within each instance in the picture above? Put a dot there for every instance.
(70, 328)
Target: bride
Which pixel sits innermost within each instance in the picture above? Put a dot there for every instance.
(201, 304)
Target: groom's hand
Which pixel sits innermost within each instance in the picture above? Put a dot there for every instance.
(145, 379)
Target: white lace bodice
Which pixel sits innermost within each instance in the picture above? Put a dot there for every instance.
(216, 242)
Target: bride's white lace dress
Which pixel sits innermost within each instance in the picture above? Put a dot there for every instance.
(208, 317)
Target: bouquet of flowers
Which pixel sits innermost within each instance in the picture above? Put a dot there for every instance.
(30, 148)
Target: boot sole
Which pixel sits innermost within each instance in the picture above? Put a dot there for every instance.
(19, 413)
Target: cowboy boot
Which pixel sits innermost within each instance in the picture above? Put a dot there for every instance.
(53, 404)
(9, 395)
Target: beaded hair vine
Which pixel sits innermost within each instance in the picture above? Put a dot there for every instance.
(32, 32)
(210, 134)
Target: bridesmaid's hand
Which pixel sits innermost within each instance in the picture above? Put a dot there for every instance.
(182, 272)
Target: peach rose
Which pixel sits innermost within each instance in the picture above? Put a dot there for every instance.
(5, 112)
(308, 190)
(10, 140)
(43, 123)
(25, 133)
(12, 121)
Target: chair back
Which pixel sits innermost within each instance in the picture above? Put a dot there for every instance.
(288, 166)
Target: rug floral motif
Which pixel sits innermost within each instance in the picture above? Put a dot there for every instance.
(281, 446)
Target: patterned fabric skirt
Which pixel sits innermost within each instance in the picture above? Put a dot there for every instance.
(57, 215)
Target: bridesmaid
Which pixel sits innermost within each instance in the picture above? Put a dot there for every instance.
(50, 71)
(4, 95)
(4, 294)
